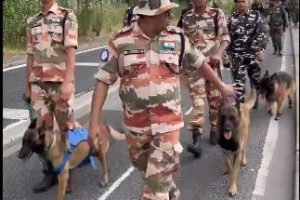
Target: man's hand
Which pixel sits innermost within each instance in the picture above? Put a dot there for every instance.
(228, 90)
(96, 131)
(66, 90)
(215, 59)
(259, 56)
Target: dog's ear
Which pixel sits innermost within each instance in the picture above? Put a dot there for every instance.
(274, 76)
(32, 124)
(266, 73)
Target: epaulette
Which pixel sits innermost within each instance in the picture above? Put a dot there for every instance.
(214, 9)
(123, 30)
(174, 29)
(65, 9)
(32, 20)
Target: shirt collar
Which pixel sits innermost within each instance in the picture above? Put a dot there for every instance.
(237, 13)
(204, 14)
(53, 9)
(137, 31)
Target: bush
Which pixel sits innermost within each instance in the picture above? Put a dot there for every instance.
(98, 19)
(84, 19)
(15, 15)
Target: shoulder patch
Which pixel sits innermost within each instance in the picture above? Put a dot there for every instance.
(104, 55)
(174, 29)
(123, 30)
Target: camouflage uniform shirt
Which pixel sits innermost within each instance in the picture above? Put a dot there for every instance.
(247, 33)
(149, 72)
(206, 30)
(46, 42)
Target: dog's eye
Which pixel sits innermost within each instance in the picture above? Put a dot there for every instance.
(231, 118)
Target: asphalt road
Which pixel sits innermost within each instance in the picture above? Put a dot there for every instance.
(13, 82)
(197, 179)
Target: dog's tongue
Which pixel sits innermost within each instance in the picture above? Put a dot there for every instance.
(227, 135)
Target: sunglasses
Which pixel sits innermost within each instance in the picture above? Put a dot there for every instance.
(153, 4)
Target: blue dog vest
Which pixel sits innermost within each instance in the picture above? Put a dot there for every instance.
(74, 137)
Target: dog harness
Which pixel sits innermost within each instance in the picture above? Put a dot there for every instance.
(74, 137)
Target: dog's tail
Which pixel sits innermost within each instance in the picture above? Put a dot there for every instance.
(115, 134)
(251, 101)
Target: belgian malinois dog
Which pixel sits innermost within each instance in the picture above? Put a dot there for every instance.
(276, 89)
(233, 125)
(54, 145)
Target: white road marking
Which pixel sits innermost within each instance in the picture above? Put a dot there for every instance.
(23, 65)
(87, 64)
(189, 111)
(116, 184)
(271, 141)
(269, 147)
(19, 114)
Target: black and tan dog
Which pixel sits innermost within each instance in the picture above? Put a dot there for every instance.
(54, 147)
(276, 89)
(233, 128)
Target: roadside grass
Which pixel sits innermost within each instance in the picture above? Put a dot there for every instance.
(106, 19)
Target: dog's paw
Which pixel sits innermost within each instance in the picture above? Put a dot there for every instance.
(232, 190)
(243, 163)
(103, 184)
(68, 187)
(270, 112)
(277, 116)
(225, 172)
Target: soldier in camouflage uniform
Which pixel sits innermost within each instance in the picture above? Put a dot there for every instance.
(147, 58)
(189, 4)
(248, 41)
(51, 43)
(278, 22)
(129, 17)
(207, 30)
(258, 6)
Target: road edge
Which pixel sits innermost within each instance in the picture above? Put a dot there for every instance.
(296, 61)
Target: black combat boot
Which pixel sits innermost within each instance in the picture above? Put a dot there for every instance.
(195, 148)
(48, 181)
(279, 53)
(275, 51)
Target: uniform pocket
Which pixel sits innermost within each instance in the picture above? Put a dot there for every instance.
(170, 64)
(56, 33)
(134, 65)
(36, 33)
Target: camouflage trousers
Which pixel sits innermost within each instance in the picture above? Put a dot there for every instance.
(157, 158)
(276, 36)
(47, 104)
(240, 64)
(200, 88)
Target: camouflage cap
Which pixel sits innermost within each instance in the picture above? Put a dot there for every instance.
(153, 7)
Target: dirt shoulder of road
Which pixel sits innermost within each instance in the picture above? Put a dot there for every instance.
(18, 57)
